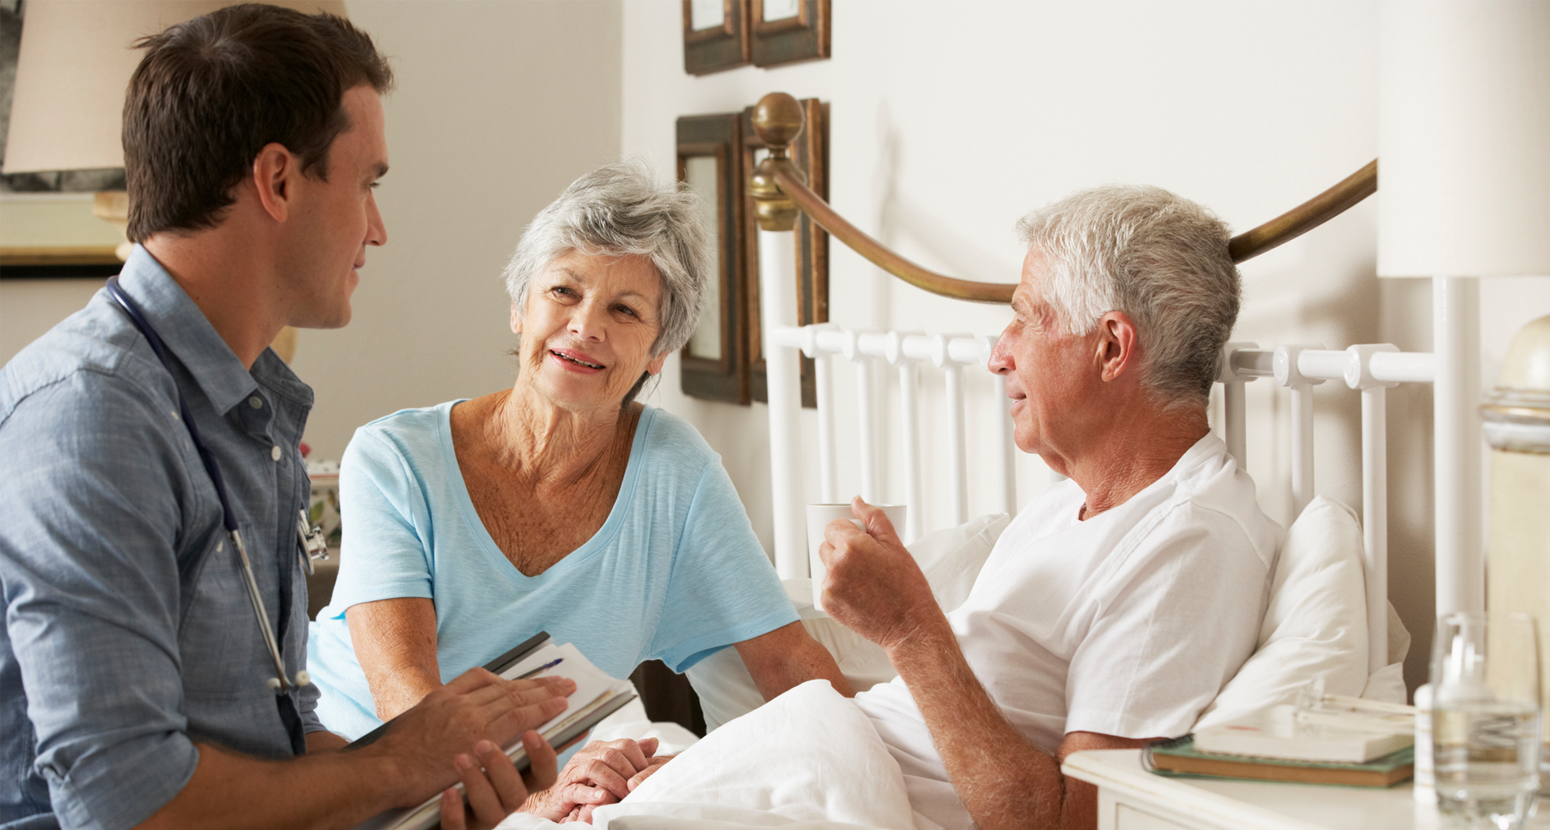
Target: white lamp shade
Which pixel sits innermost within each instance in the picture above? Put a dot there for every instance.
(73, 70)
(1464, 138)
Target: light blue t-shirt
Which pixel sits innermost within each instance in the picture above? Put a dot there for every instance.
(674, 574)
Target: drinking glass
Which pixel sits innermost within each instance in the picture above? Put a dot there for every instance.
(1486, 719)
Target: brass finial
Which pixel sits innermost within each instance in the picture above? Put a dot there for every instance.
(777, 120)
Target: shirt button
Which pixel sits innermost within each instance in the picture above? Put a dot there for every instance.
(256, 402)
(274, 452)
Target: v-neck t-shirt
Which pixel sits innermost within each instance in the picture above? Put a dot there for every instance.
(674, 574)
(1127, 624)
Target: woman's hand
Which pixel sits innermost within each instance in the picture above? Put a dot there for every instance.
(601, 773)
(493, 786)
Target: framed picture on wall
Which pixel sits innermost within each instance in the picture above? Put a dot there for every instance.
(52, 235)
(788, 31)
(810, 153)
(715, 361)
(715, 35)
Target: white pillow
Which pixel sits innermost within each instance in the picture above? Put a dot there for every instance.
(809, 755)
(1388, 683)
(1316, 623)
(951, 560)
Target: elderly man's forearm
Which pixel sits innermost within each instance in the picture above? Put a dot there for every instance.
(1003, 780)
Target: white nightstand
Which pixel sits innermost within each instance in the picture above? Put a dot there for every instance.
(1130, 798)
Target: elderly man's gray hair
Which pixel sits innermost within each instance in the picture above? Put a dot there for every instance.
(1159, 258)
(620, 210)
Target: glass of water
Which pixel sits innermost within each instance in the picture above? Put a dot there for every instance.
(1486, 719)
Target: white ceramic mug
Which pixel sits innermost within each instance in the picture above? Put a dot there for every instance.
(818, 517)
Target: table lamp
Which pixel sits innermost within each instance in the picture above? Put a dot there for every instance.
(1464, 138)
(1464, 135)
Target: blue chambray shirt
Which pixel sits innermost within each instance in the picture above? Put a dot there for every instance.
(128, 632)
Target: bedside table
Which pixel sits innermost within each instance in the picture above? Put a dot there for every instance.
(1130, 798)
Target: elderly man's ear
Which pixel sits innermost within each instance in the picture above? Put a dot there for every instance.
(1118, 346)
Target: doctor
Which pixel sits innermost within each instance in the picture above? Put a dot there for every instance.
(137, 687)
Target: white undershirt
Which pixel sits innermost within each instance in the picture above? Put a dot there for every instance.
(1126, 624)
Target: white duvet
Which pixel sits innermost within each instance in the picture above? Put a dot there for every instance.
(808, 759)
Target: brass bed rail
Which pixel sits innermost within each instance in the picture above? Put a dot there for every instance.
(779, 188)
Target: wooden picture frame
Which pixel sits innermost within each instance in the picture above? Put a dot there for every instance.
(810, 152)
(715, 360)
(35, 263)
(55, 235)
(798, 30)
(716, 35)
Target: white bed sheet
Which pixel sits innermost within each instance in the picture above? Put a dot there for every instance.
(808, 759)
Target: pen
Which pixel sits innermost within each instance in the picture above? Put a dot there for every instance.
(545, 667)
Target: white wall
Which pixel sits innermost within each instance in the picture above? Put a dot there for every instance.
(949, 121)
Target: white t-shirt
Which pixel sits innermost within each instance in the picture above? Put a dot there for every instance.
(1126, 624)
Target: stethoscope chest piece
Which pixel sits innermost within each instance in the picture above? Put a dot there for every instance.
(310, 538)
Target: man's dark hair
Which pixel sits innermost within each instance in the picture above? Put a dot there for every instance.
(212, 91)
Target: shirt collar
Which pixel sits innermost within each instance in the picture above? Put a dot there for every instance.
(187, 333)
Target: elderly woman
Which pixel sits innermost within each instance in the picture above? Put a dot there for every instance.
(560, 504)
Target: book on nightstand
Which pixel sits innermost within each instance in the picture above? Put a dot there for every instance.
(1181, 757)
(1291, 734)
(597, 696)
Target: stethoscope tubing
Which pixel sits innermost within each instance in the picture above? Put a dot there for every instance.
(280, 683)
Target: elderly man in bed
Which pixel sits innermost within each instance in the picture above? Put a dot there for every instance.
(1117, 603)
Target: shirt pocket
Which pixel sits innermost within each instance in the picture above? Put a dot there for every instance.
(220, 649)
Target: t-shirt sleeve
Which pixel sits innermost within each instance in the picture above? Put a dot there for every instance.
(1173, 624)
(385, 551)
(723, 588)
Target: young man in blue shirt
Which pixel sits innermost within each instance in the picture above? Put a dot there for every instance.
(134, 677)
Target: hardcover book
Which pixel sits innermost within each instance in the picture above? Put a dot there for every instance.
(1181, 756)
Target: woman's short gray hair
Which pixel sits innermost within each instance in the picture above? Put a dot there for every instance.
(620, 210)
(1159, 258)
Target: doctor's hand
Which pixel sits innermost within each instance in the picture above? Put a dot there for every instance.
(872, 585)
(494, 787)
(424, 742)
(603, 772)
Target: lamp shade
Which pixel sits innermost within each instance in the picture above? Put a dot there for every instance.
(1464, 138)
(73, 70)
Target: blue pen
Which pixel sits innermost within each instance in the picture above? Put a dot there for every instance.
(545, 667)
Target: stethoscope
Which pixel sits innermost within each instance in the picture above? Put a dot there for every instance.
(309, 537)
